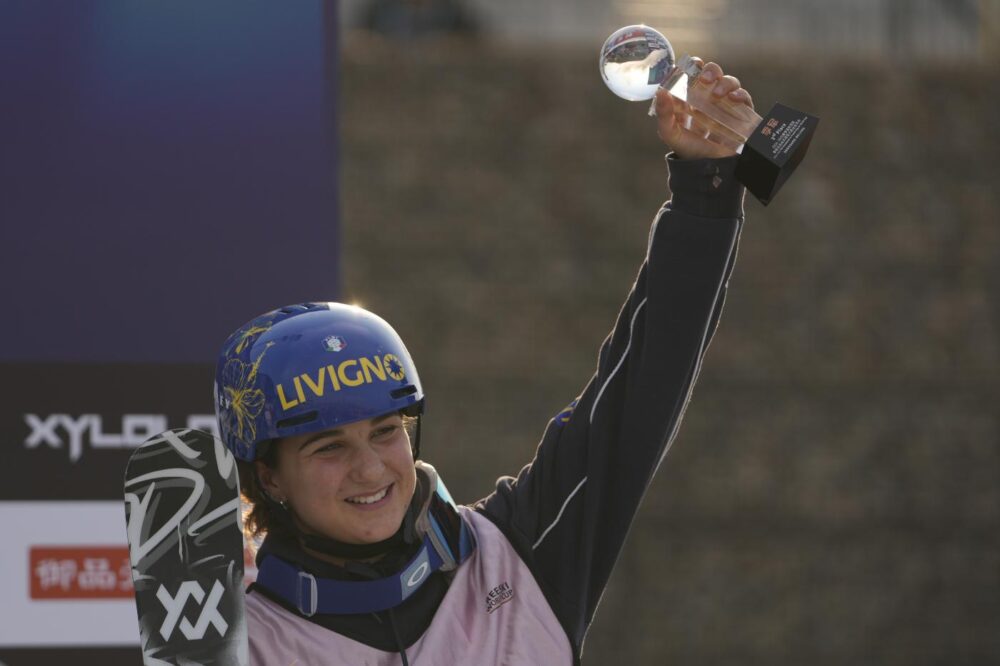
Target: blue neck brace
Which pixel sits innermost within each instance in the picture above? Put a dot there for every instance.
(311, 595)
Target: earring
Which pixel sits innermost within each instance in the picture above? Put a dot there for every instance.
(283, 502)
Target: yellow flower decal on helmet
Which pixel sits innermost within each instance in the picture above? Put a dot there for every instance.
(243, 400)
(249, 335)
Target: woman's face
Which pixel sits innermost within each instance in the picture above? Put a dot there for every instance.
(353, 483)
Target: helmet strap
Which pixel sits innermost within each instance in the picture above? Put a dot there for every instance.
(416, 439)
(416, 410)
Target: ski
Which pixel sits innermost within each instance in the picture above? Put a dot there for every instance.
(182, 504)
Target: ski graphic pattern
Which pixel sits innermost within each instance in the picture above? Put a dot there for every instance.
(182, 504)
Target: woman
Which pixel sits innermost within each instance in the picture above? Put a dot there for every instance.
(366, 559)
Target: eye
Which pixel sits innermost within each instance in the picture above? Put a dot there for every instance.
(385, 431)
(329, 447)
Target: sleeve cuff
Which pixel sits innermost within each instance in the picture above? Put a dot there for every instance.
(705, 187)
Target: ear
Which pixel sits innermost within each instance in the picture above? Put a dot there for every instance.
(268, 481)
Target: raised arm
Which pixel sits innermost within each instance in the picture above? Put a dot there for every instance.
(568, 511)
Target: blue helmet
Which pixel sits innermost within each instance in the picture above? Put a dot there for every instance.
(307, 368)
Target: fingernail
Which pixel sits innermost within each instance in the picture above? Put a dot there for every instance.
(708, 76)
(719, 89)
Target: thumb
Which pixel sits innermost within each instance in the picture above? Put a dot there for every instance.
(668, 126)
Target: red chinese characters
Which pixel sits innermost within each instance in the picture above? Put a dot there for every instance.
(90, 572)
(80, 572)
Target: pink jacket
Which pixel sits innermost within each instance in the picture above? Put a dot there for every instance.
(494, 613)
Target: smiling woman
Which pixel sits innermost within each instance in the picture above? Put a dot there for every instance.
(352, 483)
(284, 463)
(366, 557)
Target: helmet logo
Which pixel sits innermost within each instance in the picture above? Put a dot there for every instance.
(393, 367)
(334, 343)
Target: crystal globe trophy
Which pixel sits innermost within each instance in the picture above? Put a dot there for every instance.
(637, 60)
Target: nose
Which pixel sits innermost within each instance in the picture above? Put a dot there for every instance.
(368, 465)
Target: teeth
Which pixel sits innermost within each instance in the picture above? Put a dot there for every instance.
(371, 499)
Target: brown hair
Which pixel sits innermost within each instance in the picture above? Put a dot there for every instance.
(259, 514)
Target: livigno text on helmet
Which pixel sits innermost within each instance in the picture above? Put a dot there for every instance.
(345, 375)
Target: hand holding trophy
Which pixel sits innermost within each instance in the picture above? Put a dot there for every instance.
(637, 61)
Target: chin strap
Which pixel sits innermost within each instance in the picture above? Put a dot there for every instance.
(416, 410)
(446, 542)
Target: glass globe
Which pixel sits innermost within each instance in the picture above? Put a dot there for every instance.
(634, 62)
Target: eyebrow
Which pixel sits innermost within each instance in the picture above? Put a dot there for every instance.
(335, 432)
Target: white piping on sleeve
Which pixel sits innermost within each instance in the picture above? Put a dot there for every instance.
(617, 367)
(620, 361)
(549, 529)
(697, 371)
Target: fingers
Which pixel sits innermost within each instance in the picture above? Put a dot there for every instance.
(723, 84)
(681, 132)
(670, 119)
(742, 96)
(726, 85)
(685, 127)
(710, 72)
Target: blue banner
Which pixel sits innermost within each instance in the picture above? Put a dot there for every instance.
(167, 172)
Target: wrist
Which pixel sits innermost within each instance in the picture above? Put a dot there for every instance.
(706, 187)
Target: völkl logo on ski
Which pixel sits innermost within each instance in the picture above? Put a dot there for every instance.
(186, 550)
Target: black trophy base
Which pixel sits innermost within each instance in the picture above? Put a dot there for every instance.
(773, 151)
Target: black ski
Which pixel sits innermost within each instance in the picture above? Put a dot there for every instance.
(182, 504)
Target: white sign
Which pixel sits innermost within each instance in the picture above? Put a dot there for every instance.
(30, 618)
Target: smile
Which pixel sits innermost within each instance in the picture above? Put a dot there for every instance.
(370, 499)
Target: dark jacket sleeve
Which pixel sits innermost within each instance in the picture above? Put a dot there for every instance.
(568, 512)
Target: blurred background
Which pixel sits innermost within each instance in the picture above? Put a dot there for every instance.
(833, 496)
